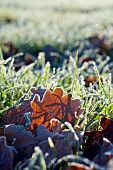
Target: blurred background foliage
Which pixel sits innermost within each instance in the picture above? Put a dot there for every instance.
(62, 23)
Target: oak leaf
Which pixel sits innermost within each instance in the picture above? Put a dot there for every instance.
(7, 155)
(43, 133)
(62, 146)
(54, 105)
(105, 154)
(24, 141)
(16, 114)
(93, 143)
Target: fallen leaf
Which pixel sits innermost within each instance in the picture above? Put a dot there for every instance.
(24, 141)
(73, 162)
(107, 125)
(64, 143)
(84, 59)
(40, 90)
(36, 161)
(10, 48)
(91, 79)
(105, 154)
(7, 155)
(60, 143)
(97, 40)
(78, 166)
(16, 114)
(54, 105)
(43, 133)
(29, 58)
(56, 125)
(2, 131)
(92, 145)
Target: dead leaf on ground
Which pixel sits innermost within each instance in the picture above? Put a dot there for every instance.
(43, 133)
(105, 154)
(78, 166)
(91, 79)
(55, 105)
(23, 140)
(40, 90)
(107, 125)
(15, 115)
(93, 143)
(7, 155)
(64, 144)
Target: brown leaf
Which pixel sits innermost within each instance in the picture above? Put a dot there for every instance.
(54, 105)
(91, 79)
(97, 40)
(77, 166)
(43, 133)
(56, 125)
(93, 143)
(64, 144)
(10, 47)
(7, 155)
(29, 58)
(40, 90)
(15, 115)
(24, 141)
(2, 131)
(107, 125)
(105, 154)
(95, 138)
(86, 59)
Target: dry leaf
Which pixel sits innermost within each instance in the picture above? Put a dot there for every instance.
(93, 143)
(24, 141)
(64, 143)
(54, 105)
(16, 115)
(7, 155)
(107, 125)
(77, 166)
(2, 131)
(40, 90)
(105, 154)
(43, 133)
(91, 79)
(56, 125)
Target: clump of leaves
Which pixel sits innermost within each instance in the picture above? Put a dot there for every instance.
(56, 112)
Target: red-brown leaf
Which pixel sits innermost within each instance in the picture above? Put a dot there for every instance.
(15, 115)
(54, 105)
(107, 125)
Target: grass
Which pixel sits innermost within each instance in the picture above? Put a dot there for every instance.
(31, 24)
(16, 84)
